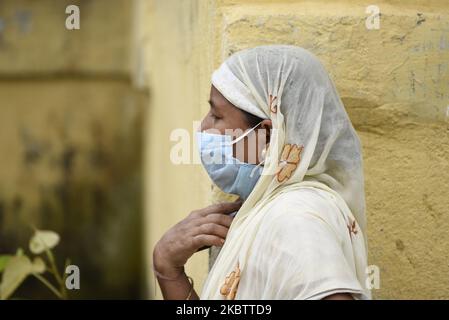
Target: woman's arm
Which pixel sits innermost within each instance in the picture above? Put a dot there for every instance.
(202, 228)
(339, 296)
(178, 288)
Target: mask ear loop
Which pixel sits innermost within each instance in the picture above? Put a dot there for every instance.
(262, 163)
(230, 143)
(243, 135)
(256, 168)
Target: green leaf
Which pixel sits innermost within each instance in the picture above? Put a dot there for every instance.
(16, 270)
(43, 240)
(38, 265)
(3, 261)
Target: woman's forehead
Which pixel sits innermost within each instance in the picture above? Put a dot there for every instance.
(217, 100)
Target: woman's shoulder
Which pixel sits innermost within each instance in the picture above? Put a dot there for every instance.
(305, 210)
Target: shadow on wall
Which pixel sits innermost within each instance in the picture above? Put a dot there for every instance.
(71, 143)
(94, 204)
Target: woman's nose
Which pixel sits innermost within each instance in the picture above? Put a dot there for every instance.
(205, 125)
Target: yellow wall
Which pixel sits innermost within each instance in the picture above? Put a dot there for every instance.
(178, 64)
(393, 81)
(70, 140)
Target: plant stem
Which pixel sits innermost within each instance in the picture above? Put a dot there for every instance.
(64, 275)
(48, 285)
(55, 272)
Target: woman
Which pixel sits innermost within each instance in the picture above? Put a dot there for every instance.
(299, 232)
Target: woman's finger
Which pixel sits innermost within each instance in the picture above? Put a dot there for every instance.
(213, 229)
(225, 207)
(218, 218)
(203, 240)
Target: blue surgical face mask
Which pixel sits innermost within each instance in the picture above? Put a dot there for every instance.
(228, 173)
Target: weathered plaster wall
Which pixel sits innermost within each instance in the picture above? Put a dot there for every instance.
(395, 85)
(70, 139)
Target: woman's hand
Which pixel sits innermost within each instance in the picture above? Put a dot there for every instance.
(202, 228)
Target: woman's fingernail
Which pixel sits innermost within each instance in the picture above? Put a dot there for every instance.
(222, 241)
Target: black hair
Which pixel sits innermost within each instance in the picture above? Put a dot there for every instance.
(251, 119)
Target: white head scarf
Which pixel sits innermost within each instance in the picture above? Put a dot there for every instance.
(289, 85)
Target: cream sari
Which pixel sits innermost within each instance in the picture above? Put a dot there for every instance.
(301, 232)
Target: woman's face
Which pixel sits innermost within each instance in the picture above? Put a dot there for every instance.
(224, 118)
